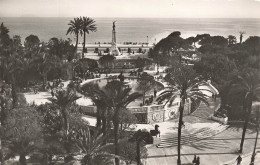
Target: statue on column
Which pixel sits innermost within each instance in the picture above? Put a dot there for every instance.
(114, 26)
(114, 49)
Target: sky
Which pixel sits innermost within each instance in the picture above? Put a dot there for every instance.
(131, 8)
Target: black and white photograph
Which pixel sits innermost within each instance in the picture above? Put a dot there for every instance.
(129, 82)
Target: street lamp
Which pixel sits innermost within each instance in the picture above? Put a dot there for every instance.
(147, 40)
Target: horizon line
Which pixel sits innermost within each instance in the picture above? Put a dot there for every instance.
(134, 17)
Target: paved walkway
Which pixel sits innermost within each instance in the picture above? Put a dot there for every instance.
(197, 126)
(246, 159)
(217, 149)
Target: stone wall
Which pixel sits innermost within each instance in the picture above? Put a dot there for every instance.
(155, 114)
(173, 111)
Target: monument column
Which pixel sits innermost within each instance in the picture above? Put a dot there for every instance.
(114, 49)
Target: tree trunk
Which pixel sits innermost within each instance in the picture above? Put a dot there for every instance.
(3, 112)
(253, 154)
(98, 122)
(179, 129)
(2, 160)
(65, 127)
(116, 128)
(45, 159)
(143, 98)
(65, 121)
(247, 106)
(76, 46)
(2, 119)
(98, 117)
(84, 40)
(50, 159)
(22, 159)
(14, 94)
(44, 80)
(104, 128)
(138, 152)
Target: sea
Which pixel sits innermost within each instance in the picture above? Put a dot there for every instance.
(132, 29)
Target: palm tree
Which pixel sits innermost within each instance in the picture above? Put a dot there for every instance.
(184, 83)
(119, 97)
(22, 133)
(139, 137)
(75, 28)
(92, 147)
(11, 68)
(114, 98)
(241, 33)
(87, 25)
(43, 63)
(249, 82)
(64, 99)
(99, 97)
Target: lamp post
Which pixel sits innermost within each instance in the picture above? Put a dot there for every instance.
(147, 40)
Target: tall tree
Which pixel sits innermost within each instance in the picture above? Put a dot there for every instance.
(82, 66)
(87, 25)
(184, 83)
(120, 97)
(231, 40)
(142, 62)
(252, 45)
(249, 82)
(31, 45)
(22, 132)
(4, 37)
(44, 62)
(51, 125)
(98, 97)
(31, 41)
(171, 46)
(145, 83)
(215, 67)
(92, 147)
(75, 28)
(64, 99)
(11, 64)
(140, 137)
(60, 48)
(107, 62)
(241, 35)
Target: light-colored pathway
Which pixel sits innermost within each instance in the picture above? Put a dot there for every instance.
(197, 126)
(216, 150)
(220, 149)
